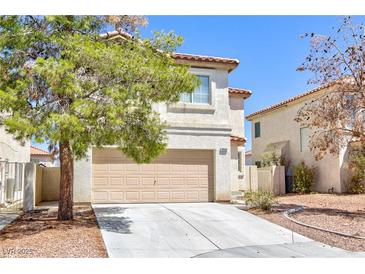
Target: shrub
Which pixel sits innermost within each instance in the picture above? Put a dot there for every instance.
(261, 199)
(271, 159)
(356, 184)
(303, 178)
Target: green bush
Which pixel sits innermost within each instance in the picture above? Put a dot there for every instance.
(303, 178)
(356, 184)
(261, 199)
(271, 159)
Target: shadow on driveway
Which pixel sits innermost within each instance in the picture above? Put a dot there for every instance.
(111, 219)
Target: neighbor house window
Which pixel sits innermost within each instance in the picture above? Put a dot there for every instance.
(201, 94)
(304, 139)
(257, 129)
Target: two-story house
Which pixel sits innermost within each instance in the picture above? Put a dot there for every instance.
(275, 131)
(205, 156)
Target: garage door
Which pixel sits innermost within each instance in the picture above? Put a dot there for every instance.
(175, 176)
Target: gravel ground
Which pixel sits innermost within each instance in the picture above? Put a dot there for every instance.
(343, 213)
(40, 234)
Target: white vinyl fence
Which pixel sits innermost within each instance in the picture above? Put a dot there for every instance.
(270, 179)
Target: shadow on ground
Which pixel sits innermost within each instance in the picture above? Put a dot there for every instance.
(111, 219)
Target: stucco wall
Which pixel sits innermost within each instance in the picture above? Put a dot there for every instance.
(50, 183)
(192, 126)
(82, 179)
(237, 119)
(278, 126)
(11, 149)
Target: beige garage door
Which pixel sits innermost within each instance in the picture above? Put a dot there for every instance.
(176, 176)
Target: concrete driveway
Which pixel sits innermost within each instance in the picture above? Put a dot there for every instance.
(200, 230)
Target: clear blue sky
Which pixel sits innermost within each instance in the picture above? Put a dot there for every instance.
(268, 47)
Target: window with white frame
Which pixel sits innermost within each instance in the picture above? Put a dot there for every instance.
(201, 94)
(304, 139)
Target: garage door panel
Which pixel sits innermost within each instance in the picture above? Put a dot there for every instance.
(178, 195)
(116, 195)
(148, 181)
(192, 181)
(177, 181)
(203, 181)
(148, 196)
(116, 167)
(132, 181)
(192, 195)
(100, 196)
(132, 196)
(131, 167)
(176, 176)
(100, 181)
(163, 195)
(163, 181)
(116, 181)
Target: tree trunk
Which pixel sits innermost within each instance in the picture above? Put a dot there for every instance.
(66, 182)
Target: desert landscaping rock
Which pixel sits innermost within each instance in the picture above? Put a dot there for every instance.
(39, 234)
(343, 213)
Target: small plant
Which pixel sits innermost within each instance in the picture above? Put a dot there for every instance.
(356, 184)
(303, 178)
(271, 159)
(260, 199)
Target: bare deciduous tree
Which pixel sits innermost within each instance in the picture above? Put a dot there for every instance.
(337, 116)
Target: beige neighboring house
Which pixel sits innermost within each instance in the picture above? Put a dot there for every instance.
(11, 150)
(205, 156)
(40, 156)
(248, 158)
(274, 130)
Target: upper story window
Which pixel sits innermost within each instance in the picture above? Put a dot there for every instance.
(304, 139)
(257, 129)
(201, 94)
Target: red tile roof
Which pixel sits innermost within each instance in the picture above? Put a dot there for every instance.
(204, 58)
(237, 139)
(244, 92)
(290, 100)
(34, 151)
(180, 56)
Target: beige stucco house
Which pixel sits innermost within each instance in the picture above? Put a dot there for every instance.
(12, 150)
(274, 130)
(42, 157)
(205, 156)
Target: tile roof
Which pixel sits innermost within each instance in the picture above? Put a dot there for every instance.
(34, 151)
(205, 58)
(179, 56)
(244, 92)
(290, 100)
(237, 139)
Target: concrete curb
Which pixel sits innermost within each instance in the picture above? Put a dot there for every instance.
(287, 213)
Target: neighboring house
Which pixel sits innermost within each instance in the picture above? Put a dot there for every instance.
(40, 156)
(12, 150)
(205, 156)
(274, 130)
(248, 158)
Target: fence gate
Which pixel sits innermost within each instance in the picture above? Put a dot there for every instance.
(11, 186)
